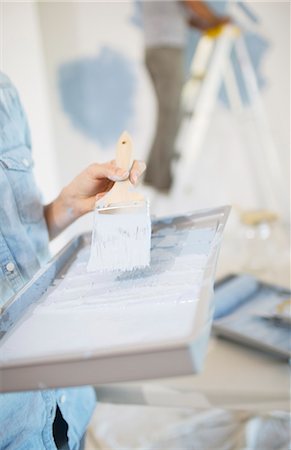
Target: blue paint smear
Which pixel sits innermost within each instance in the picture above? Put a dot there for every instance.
(136, 18)
(248, 12)
(98, 94)
(168, 242)
(218, 6)
(257, 47)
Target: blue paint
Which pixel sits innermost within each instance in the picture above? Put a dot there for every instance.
(257, 47)
(248, 12)
(231, 295)
(173, 238)
(136, 18)
(98, 93)
(218, 6)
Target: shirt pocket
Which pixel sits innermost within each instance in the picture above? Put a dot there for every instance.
(18, 164)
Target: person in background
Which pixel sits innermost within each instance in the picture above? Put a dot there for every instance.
(165, 26)
(48, 419)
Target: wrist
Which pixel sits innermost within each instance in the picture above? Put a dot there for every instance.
(68, 207)
(60, 213)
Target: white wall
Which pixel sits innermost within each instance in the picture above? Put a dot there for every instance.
(23, 61)
(275, 24)
(73, 30)
(36, 38)
(88, 26)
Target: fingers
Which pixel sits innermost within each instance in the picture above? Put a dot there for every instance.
(112, 172)
(100, 195)
(107, 170)
(137, 170)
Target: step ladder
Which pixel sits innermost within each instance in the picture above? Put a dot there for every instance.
(212, 65)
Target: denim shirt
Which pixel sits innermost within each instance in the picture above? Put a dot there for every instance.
(26, 418)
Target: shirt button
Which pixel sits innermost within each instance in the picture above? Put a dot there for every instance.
(25, 162)
(10, 267)
(62, 398)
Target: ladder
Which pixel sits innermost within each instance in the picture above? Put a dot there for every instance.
(210, 66)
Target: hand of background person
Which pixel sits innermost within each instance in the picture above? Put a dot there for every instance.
(202, 17)
(80, 196)
(204, 25)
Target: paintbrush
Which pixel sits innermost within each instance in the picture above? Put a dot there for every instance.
(121, 236)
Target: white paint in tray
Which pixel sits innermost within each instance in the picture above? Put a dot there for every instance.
(97, 312)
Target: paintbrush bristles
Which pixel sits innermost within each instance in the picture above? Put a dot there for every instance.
(120, 242)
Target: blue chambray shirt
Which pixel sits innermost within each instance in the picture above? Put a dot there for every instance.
(26, 418)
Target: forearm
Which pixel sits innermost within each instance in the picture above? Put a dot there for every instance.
(59, 214)
(79, 197)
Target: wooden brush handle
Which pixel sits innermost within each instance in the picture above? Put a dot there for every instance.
(124, 152)
(122, 191)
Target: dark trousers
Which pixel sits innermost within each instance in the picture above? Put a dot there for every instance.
(166, 68)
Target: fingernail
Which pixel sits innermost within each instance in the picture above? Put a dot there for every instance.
(134, 177)
(120, 174)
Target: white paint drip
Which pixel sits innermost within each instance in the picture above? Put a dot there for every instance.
(120, 241)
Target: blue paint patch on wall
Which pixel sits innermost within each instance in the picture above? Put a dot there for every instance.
(256, 45)
(136, 17)
(98, 93)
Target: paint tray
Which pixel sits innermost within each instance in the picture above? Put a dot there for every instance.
(67, 327)
(245, 313)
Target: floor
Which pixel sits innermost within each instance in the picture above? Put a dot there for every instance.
(145, 428)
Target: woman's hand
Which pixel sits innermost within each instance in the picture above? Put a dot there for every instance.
(80, 196)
